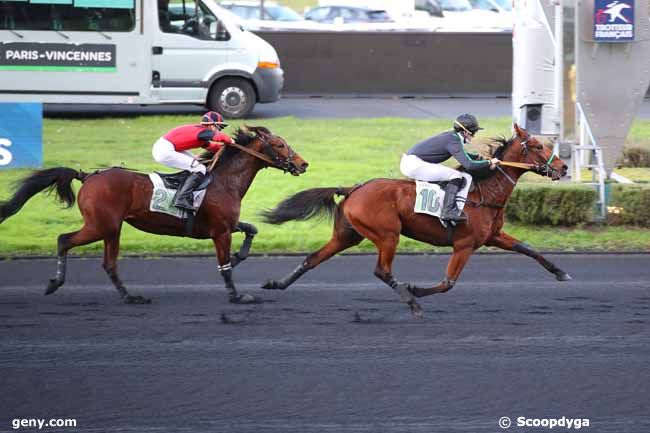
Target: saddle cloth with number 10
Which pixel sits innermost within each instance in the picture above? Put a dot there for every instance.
(430, 196)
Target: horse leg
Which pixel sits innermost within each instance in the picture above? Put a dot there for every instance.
(111, 250)
(507, 242)
(386, 239)
(249, 232)
(343, 238)
(66, 242)
(455, 266)
(387, 246)
(222, 244)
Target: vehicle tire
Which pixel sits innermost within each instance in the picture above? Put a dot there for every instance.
(234, 98)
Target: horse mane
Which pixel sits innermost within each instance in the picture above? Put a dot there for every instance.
(498, 147)
(503, 145)
(243, 136)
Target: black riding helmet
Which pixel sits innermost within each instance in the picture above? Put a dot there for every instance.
(466, 122)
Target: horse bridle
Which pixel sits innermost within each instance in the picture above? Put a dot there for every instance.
(273, 160)
(545, 168)
(283, 164)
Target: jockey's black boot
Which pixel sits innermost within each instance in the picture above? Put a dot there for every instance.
(450, 211)
(184, 198)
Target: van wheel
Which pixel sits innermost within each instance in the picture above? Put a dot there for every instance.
(232, 97)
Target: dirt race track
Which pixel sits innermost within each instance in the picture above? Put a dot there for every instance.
(336, 352)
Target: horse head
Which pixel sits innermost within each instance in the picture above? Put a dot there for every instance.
(276, 150)
(525, 148)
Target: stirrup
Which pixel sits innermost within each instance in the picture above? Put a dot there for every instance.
(458, 218)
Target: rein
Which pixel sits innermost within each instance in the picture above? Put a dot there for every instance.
(255, 153)
(524, 165)
(251, 152)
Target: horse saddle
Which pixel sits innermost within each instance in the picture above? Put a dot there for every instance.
(176, 180)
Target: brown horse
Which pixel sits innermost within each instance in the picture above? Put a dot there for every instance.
(382, 209)
(110, 197)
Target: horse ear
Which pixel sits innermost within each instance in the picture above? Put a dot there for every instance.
(519, 131)
(263, 132)
(247, 130)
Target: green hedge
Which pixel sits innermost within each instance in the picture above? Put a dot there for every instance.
(629, 204)
(635, 157)
(552, 204)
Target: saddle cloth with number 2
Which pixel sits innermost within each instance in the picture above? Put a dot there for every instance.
(429, 196)
(162, 198)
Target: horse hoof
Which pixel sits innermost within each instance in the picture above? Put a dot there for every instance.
(272, 285)
(245, 299)
(52, 287)
(416, 310)
(563, 276)
(128, 299)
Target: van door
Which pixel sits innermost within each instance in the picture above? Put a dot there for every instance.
(189, 42)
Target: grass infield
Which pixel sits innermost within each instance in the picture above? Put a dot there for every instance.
(340, 153)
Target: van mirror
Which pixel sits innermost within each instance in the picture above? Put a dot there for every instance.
(218, 31)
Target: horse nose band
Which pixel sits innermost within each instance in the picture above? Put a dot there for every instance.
(285, 164)
(545, 168)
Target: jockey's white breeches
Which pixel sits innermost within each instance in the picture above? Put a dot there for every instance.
(415, 168)
(163, 152)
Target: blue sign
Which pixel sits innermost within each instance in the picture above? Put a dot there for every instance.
(21, 135)
(614, 20)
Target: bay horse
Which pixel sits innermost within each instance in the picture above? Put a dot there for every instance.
(382, 209)
(113, 196)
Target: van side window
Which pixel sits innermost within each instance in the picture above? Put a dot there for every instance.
(191, 18)
(101, 16)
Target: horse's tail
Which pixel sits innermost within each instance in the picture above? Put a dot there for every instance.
(59, 178)
(305, 205)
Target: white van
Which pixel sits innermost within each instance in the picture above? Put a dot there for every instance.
(134, 52)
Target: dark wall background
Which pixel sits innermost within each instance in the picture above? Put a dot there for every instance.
(402, 63)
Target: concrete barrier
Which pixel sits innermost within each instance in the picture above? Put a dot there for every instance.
(396, 63)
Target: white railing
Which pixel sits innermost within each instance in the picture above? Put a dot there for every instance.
(588, 154)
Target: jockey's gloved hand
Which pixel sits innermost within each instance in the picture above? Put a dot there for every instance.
(224, 138)
(494, 162)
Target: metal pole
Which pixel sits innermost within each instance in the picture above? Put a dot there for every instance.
(559, 72)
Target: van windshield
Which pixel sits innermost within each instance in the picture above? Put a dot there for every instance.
(83, 16)
(282, 13)
(456, 5)
(505, 4)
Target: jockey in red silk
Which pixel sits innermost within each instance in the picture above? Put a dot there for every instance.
(172, 150)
